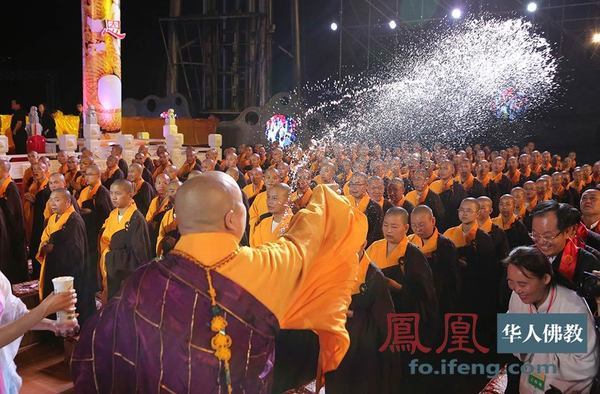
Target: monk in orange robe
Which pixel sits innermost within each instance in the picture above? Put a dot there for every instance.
(256, 184)
(273, 225)
(112, 172)
(143, 192)
(168, 234)
(124, 241)
(230, 298)
(33, 157)
(301, 196)
(34, 205)
(376, 190)
(259, 205)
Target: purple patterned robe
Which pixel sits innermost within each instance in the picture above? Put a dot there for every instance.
(155, 336)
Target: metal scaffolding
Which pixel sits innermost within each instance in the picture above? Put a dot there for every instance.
(221, 59)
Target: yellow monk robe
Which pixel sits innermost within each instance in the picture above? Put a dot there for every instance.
(306, 277)
(27, 175)
(486, 226)
(514, 178)
(88, 193)
(156, 207)
(458, 237)
(384, 258)
(360, 205)
(110, 227)
(258, 208)
(427, 247)
(54, 224)
(251, 190)
(167, 224)
(499, 221)
(264, 233)
(521, 212)
(346, 189)
(302, 201)
(4, 186)
(28, 206)
(413, 196)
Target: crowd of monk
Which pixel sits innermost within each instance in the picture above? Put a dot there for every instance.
(439, 225)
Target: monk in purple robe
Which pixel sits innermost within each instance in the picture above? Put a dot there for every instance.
(204, 317)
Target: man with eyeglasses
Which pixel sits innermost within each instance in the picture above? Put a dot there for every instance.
(553, 231)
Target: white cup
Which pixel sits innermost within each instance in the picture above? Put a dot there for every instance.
(63, 284)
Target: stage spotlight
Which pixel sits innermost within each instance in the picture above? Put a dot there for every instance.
(392, 25)
(333, 26)
(532, 7)
(596, 38)
(456, 13)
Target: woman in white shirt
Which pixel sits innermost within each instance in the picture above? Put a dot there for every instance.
(15, 320)
(531, 279)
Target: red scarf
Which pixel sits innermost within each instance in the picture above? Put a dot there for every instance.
(581, 234)
(568, 261)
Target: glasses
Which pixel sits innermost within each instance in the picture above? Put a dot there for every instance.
(544, 238)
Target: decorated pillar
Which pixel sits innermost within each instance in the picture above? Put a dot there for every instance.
(101, 27)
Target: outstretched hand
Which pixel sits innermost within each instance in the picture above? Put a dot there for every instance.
(60, 302)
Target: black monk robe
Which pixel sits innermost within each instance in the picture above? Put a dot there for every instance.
(69, 258)
(125, 245)
(364, 368)
(451, 200)
(13, 252)
(98, 202)
(143, 196)
(39, 222)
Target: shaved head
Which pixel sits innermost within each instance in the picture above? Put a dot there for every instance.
(5, 166)
(422, 210)
(221, 201)
(194, 173)
(123, 183)
(398, 212)
(62, 193)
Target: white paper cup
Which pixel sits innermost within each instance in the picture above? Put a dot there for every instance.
(63, 284)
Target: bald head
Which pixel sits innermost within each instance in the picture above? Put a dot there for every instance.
(221, 202)
(422, 210)
(194, 173)
(397, 212)
(123, 184)
(59, 201)
(4, 168)
(56, 181)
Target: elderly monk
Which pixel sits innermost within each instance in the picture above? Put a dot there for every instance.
(451, 192)
(484, 222)
(56, 181)
(13, 253)
(143, 192)
(168, 234)
(63, 252)
(303, 193)
(515, 230)
(124, 239)
(146, 174)
(376, 190)
(72, 171)
(275, 223)
(256, 184)
(259, 205)
(441, 255)
(479, 276)
(95, 204)
(158, 207)
(117, 152)
(61, 157)
(409, 276)
(191, 163)
(223, 296)
(33, 157)
(33, 208)
(112, 172)
(396, 198)
(423, 195)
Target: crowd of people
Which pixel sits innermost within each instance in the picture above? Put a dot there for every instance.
(431, 232)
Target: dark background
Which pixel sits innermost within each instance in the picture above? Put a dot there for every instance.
(40, 53)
